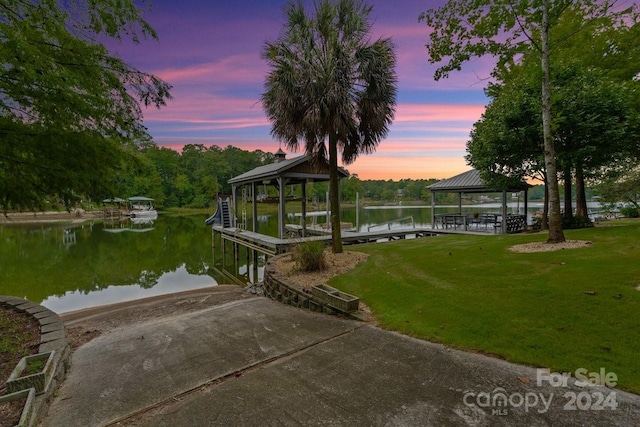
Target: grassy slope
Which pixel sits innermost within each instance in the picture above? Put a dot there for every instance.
(472, 293)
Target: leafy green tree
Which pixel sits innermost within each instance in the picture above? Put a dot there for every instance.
(388, 194)
(412, 189)
(183, 186)
(167, 164)
(192, 178)
(507, 140)
(240, 161)
(351, 187)
(330, 86)
(425, 194)
(150, 184)
(594, 128)
(594, 91)
(594, 108)
(207, 168)
(208, 184)
(70, 112)
(373, 188)
(624, 188)
(463, 30)
(506, 144)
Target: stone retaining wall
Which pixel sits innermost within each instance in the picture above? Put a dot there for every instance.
(276, 287)
(52, 337)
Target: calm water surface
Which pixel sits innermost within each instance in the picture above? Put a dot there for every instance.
(74, 266)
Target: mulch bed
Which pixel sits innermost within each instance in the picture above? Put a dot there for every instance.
(19, 337)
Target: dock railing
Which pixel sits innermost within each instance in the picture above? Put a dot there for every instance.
(389, 223)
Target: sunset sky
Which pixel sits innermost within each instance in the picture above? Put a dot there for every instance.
(210, 52)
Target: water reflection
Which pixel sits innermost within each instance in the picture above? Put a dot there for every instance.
(167, 283)
(69, 267)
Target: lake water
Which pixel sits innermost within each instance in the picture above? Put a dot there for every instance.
(74, 266)
(68, 267)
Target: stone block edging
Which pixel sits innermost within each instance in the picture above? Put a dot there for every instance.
(276, 287)
(52, 337)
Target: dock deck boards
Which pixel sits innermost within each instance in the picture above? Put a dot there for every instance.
(273, 245)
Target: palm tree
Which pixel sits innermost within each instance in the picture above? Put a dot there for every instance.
(330, 86)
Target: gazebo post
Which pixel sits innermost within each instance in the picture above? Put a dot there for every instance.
(460, 202)
(503, 225)
(254, 219)
(304, 209)
(433, 209)
(253, 257)
(526, 206)
(281, 209)
(235, 205)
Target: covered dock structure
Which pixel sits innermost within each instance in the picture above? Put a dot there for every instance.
(283, 172)
(471, 182)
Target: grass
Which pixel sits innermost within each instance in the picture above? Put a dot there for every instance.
(472, 293)
(34, 366)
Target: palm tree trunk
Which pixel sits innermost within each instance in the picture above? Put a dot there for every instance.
(555, 220)
(334, 195)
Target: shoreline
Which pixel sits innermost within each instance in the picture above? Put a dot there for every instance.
(49, 216)
(160, 305)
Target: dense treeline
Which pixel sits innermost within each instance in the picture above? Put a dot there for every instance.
(193, 178)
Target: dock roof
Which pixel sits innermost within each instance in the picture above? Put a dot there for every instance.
(471, 182)
(295, 170)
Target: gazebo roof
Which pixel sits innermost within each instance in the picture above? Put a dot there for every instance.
(296, 170)
(471, 182)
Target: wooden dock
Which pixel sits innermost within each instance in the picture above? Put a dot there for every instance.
(269, 245)
(352, 238)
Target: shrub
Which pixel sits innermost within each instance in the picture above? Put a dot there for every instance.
(577, 221)
(536, 224)
(309, 256)
(630, 211)
(201, 201)
(574, 222)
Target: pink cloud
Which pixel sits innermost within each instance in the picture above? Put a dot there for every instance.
(207, 108)
(438, 112)
(427, 145)
(236, 69)
(214, 109)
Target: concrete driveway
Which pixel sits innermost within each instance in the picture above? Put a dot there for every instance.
(255, 362)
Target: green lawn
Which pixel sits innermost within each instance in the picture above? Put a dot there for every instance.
(472, 293)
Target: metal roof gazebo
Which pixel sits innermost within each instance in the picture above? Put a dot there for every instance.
(283, 172)
(471, 182)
